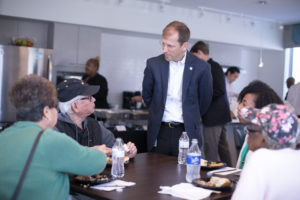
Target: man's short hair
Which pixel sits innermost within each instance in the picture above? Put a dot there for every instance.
(202, 46)
(181, 28)
(232, 70)
(66, 107)
(290, 81)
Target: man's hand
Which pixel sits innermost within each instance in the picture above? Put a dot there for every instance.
(132, 149)
(137, 98)
(107, 151)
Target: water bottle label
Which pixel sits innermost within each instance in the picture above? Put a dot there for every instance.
(183, 144)
(118, 153)
(193, 160)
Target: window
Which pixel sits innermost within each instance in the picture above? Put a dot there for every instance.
(296, 64)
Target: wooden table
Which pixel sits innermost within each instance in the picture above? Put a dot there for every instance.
(148, 171)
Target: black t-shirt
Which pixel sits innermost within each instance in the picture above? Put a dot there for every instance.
(101, 95)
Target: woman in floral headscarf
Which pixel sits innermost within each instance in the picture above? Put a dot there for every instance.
(271, 172)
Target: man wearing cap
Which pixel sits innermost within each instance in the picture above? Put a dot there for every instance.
(76, 103)
(271, 173)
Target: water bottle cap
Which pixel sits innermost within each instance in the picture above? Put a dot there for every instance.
(119, 140)
(194, 140)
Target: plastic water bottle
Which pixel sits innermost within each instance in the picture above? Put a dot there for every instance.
(193, 162)
(183, 146)
(118, 153)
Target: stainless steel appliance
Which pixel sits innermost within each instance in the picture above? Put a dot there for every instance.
(15, 62)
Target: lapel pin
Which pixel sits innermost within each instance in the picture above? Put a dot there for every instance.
(191, 68)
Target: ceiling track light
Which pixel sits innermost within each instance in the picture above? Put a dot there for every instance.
(260, 64)
(161, 7)
(262, 2)
(201, 12)
(281, 27)
(228, 19)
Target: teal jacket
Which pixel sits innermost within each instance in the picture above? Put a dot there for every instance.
(56, 155)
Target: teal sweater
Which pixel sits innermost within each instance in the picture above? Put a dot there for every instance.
(56, 155)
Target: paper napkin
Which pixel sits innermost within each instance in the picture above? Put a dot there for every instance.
(114, 185)
(186, 191)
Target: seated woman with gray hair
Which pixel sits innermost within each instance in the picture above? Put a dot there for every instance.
(55, 154)
(76, 104)
(271, 172)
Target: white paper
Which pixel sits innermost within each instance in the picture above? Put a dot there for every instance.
(186, 191)
(224, 171)
(114, 185)
(121, 128)
(145, 127)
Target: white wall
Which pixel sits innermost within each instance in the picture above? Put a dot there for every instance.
(124, 54)
(145, 17)
(124, 58)
(123, 62)
(273, 70)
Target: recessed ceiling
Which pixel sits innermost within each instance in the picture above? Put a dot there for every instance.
(279, 11)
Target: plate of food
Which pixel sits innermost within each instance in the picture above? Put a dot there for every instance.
(109, 161)
(214, 183)
(211, 165)
(87, 181)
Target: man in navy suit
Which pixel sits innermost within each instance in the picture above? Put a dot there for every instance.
(177, 89)
(215, 143)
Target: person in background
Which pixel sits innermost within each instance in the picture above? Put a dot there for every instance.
(92, 77)
(290, 81)
(271, 173)
(76, 104)
(177, 89)
(256, 94)
(294, 98)
(215, 143)
(231, 74)
(56, 154)
(137, 98)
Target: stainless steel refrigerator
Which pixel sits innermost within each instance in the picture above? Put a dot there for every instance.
(16, 62)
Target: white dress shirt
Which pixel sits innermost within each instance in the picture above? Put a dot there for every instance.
(294, 97)
(229, 90)
(173, 107)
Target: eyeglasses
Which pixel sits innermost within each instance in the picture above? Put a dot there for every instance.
(86, 98)
(253, 130)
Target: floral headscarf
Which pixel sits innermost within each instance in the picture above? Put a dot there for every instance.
(277, 121)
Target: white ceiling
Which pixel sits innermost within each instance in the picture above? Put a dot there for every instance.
(279, 11)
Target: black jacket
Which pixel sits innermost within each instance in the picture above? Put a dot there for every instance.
(93, 132)
(101, 95)
(218, 112)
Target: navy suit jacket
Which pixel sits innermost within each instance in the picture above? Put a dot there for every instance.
(196, 94)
